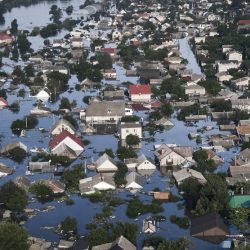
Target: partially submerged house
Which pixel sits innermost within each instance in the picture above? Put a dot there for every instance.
(187, 173)
(66, 144)
(209, 227)
(120, 243)
(99, 182)
(5, 170)
(61, 125)
(134, 182)
(105, 164)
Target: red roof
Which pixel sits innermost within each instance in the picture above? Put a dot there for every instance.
(155, 104)
(64, 134)
(139, 89)
(244, 22)
(4, 36)
(3, 101)
(109, 50)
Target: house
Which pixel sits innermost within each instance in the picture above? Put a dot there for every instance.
(143, 163)
(65, 244)
(242, 171)
(140, 93)
(99, 182)
(36, 58)
(241, 83)
(66, 144)
(134, 182)
(194, 90)
(39, 243)
(3, 103)
(163, 196)
(43, 95)
(211, 155)
(110, 74)
(58, 43)
(130, 128)
(223, 77)
(43, 167)
(76, 42)
(113, 95)
(209, 227)
(120, 243)
(105, 164)
(243, 24)
(104, 112)
(234, 56)
(241, 104)
(186, 173)
(5, 39)
(40, 110)
(61, 125)
(243, 132)
(224, 66)
(22, 182)
(111, 51)
(164, 122)
(5, 170)
(149, 226)
(56, 186)
(242, 158)
(5, 149)
(173, 156)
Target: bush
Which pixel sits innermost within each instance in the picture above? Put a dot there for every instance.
(71, 178)
(14, 107)
(182, 222)
(17, 154)
(125, 153)
(69, 226)
(136, 207)
(41, 191)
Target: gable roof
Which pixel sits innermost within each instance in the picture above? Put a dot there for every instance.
(211, 221)
(3, 101)
(139, 89)
(64, 134)
(102, 159)
(64, 123)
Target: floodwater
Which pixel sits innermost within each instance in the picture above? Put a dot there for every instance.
(83, 210)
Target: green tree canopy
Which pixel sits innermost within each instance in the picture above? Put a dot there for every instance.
(13, 197)
(12, 236)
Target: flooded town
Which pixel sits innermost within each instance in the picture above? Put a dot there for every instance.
(124, 124)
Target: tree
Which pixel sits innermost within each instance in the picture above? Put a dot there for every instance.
(119, 177)
(69, 226)
(125, 153)
(240, 217)
(17, 154)
(3, 93)
(71, 178)
(221, 105)
(65, 103)
(23, 44)
(69, 10)
(132, 140)
(14, 27)
(29, 70)
(104, 59)
(14, 107)
(41, 191)
(12, 236)
(98, 236)
(167, 109)
(71, 120)
(13, 197)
